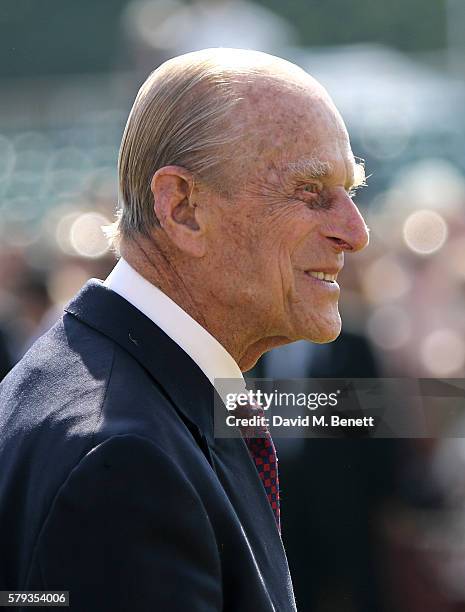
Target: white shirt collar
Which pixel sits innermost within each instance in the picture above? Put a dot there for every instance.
(211, 357)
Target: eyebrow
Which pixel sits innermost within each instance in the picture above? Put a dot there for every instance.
(314, 168)
(309, 168)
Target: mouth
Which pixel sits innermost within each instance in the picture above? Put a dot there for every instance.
(326, 277)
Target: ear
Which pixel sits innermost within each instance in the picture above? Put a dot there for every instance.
(177, 213)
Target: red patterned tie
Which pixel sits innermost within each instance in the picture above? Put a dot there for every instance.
(262, 450)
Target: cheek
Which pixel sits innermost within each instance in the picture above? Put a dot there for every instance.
(302, 236)
(279, 253)
(242, 267)
(260, 249)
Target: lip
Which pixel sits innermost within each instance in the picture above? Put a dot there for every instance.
(334, 270)
(328, 285)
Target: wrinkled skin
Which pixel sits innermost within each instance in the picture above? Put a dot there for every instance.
(239, 264)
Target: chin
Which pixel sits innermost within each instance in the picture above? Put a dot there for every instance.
(324, 329)
(250, 358)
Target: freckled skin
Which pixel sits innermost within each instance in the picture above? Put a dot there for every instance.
(246, 282)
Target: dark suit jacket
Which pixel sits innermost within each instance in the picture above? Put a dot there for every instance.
(112, 485)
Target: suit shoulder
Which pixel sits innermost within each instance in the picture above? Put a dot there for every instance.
(52, 399)
(69, 357)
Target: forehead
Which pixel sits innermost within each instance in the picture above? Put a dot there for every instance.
(297, 119)
(283, 105)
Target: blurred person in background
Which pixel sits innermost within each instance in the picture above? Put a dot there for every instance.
(225, 153)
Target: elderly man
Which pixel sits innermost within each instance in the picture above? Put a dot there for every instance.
(235, 177)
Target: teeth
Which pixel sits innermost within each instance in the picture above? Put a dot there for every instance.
(322, 276)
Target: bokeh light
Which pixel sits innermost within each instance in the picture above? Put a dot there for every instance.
(425, 232)
(63, 231)
(443, 352)
(87, 237)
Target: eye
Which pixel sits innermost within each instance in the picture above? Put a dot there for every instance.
(308, 191)
(310, 188)
(314, 196)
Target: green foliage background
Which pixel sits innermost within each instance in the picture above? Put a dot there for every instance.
(63, 36)
(410, 25)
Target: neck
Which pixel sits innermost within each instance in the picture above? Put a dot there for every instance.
(185, 284)
(159, 269)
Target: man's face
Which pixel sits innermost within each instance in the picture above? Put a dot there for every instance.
(280, 243)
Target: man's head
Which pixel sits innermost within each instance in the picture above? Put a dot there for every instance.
(236, 167)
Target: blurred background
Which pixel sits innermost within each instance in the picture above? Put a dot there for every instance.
(369, 525)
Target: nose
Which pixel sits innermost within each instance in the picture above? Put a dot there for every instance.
(346, 229)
